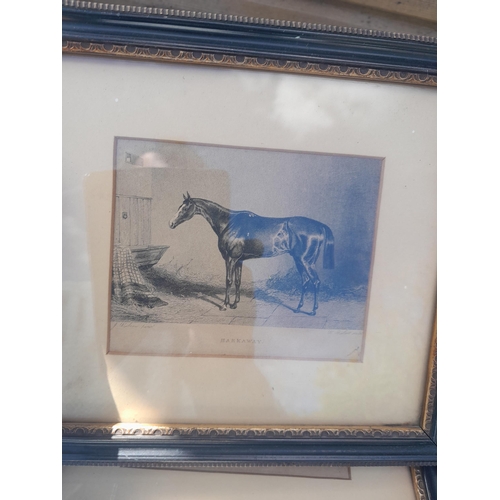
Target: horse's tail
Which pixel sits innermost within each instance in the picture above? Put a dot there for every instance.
(328, 250)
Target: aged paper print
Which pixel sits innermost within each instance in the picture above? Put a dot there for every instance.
(224, 251)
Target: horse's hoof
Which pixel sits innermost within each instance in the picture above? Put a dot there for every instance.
(233, 306)
(297, 310)
(222, 308)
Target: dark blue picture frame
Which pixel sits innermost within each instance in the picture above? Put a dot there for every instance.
(234, 41)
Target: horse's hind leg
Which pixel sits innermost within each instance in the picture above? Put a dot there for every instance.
(316, 282)
(305, 280)
(237, 283)
(310, 271)
(316, 290)
(309, 262)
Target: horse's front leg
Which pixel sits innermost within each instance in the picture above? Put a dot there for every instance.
(230, 263)
(237, 283)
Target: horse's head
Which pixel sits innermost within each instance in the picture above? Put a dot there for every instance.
(185, 212)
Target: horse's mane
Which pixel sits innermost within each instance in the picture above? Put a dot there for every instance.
(223, 209)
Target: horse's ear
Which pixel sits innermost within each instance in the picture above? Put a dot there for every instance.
(184, 196)
(188, 195)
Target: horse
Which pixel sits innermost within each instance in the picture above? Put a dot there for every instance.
(244, 235)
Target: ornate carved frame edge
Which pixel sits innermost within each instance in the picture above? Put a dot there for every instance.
(244, 62)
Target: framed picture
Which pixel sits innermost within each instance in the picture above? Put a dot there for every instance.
(249, 241)
(232, 282)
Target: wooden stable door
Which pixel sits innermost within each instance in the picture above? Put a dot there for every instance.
(132, 221)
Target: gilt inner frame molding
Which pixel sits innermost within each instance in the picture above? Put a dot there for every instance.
(244, 62)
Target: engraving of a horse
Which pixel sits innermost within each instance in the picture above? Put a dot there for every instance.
(244, 235)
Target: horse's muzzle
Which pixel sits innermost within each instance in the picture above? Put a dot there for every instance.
(172, 224)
